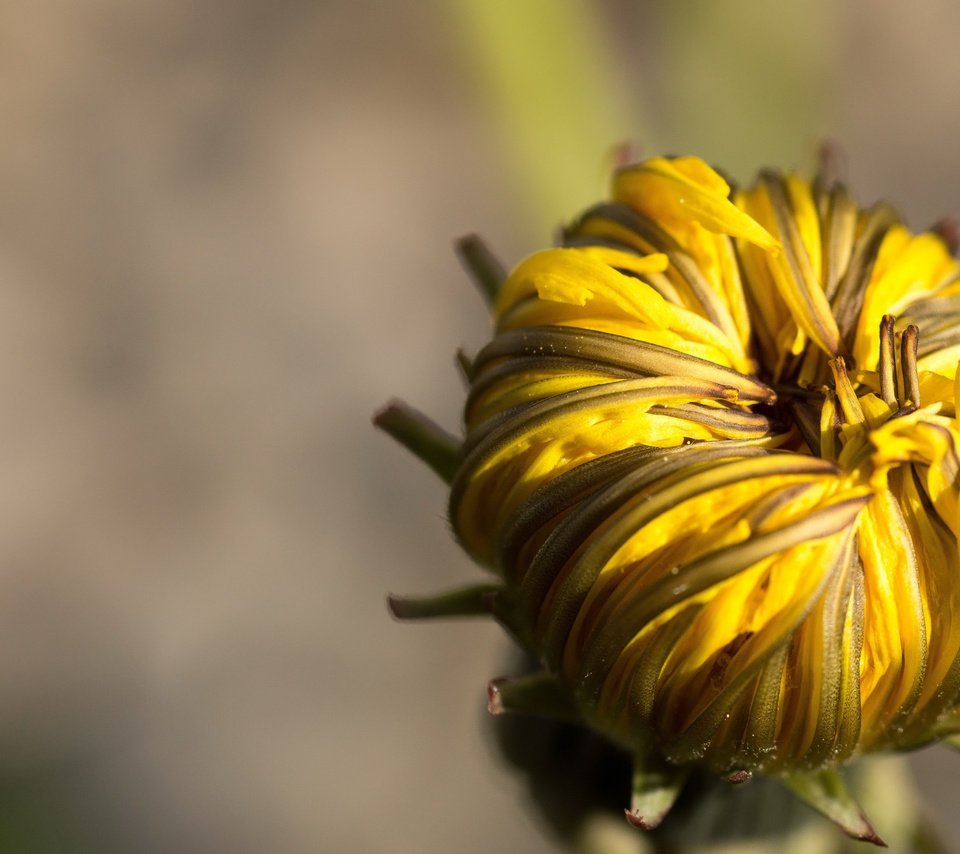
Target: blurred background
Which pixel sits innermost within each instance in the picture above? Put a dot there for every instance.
(225, 240)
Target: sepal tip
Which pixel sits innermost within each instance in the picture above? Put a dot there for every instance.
(422, 437)
(473, 601)
(540, 694)
(656, 786)
(826, 792)
(483, 266)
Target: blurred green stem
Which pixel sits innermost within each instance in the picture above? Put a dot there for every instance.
(748, 83)
(549, 78)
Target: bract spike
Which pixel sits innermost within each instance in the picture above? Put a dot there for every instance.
(656, 786)
(482, 265)
(473, 601)
(827, 793)
(540, 694)
(422, 437)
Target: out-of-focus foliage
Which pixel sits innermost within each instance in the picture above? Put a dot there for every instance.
(738, 83)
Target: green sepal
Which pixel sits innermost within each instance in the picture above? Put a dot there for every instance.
(655, 788)
(464, 366)
(479, 261)
(952, 741)
(501, 603)
(827, 793)
(541, 694)
(422, 437)
(473, 601)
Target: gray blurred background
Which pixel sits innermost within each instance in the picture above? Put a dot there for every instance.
(225, 234)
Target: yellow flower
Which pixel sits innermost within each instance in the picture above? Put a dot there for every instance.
(711, 457)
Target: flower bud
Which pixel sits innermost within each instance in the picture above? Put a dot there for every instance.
(711, 458)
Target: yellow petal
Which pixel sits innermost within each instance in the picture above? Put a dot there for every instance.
(684, 190)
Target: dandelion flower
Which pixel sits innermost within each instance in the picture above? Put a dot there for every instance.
(711, 461)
